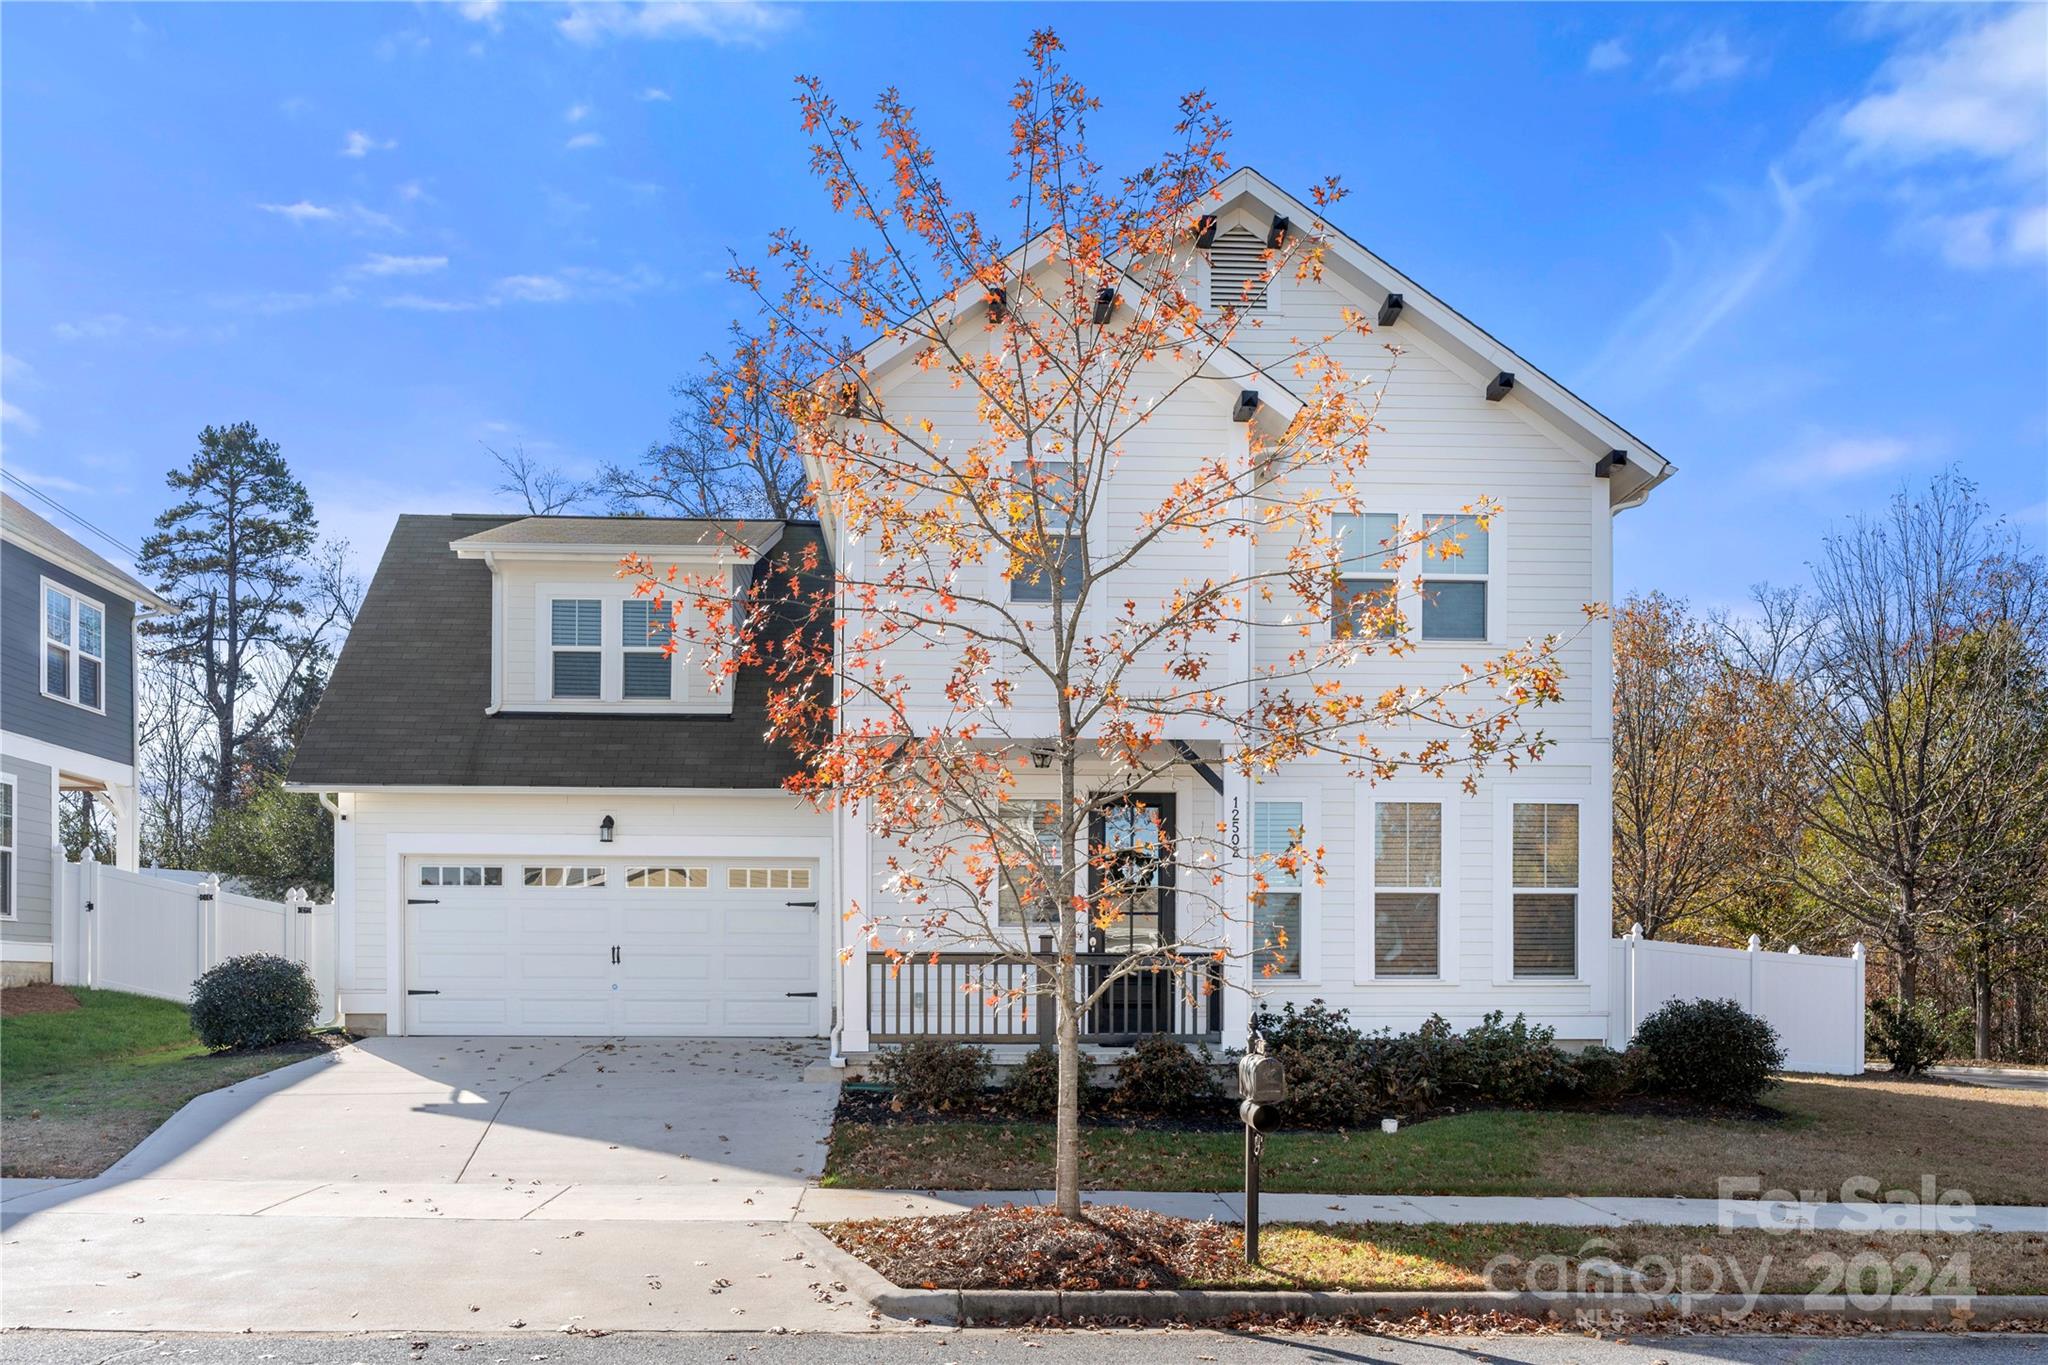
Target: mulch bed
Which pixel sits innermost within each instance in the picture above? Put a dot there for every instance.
(42, 998)
(1010, 1247)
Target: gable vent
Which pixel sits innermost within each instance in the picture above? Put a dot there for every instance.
(1237, 258)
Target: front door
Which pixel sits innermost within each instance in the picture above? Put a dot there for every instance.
(1132, 876)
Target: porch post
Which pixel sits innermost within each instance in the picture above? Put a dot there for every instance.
(854, 889)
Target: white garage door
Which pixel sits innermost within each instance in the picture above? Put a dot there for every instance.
(689, 946)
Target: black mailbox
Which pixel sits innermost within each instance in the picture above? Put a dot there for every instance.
(1262, 1079)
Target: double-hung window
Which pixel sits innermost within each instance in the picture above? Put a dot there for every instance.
(648, 670)
(6, 848)
(1407, 895)
(1279, 830)
(1049, 495)
(577, 640)
(1455, 584)
(1365, 592)
(74, 648)
(1545, 873)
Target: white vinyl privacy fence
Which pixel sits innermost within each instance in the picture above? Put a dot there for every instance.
(1815, 1002)
(127, 931)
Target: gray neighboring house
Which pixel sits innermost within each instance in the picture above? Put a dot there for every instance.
(67, 716)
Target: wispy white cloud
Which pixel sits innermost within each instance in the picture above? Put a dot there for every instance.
(291, 106)
(354, 215)
(1711, 276)
(49, 483)
(1610, 54)
(422, 303)
(378, 265)
(583, 142)
(654, 94)
(1819, 460)
(532, 289)
(576, 113)
(570, 284)
(1979, 93)
(412, 192)
(359, 144)
(738, 22)
(100, 327)
(407, 42)
(275, 302)
(1984, 238)
(12, 416)
(1706, 58)
(489, 13)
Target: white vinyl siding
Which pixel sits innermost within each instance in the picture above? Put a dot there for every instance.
(74, 648)
(1545, 872)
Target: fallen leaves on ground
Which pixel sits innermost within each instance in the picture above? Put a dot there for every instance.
(1010, 1247)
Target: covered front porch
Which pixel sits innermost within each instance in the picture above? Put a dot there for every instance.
(974, 998)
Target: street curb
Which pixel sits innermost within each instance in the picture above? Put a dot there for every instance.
(993, 1307)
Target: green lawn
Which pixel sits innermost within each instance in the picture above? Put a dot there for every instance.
(1986, 1142)
(78, 1089)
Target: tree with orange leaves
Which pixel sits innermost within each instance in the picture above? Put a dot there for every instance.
(1039, 582)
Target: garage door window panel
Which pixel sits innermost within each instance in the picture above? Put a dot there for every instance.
(668, 878)
(464, 874)
(571, 878)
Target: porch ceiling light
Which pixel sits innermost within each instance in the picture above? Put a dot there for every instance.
(1041, 757)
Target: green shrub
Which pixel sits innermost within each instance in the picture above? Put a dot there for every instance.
(1330, 1066)
(1714, 1051)
(1160, 1076)
(1034, 1083)
(928, 1074)
(1599, 1075)
(1497, 1063)
(257, 1000)
(1912, 1038)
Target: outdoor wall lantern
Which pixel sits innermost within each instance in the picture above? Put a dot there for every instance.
(604, 830)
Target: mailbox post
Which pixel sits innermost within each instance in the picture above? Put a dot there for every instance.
(1261, 1085)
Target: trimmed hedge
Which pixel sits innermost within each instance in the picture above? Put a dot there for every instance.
(928, 1074)
(257, 1000)
(1714, 1051)
(1159, 1076)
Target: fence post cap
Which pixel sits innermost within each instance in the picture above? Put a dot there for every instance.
(1857, 952)
(1756, 944)
(1793, 951)
(1635, 930)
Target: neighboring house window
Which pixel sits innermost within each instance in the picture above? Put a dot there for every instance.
(668, 878)
(1545, 871)
(1365, 590)
(74, 648)
(1057, 500)
(578, 635)
(1277, 828)
(462, 875)
(1407, 879)
(1030, 821)
(1238, 259)
(1454, 588)
(552, 877)
(6, 848)
(644, 633)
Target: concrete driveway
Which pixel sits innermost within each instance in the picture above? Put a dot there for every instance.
(456, 1184)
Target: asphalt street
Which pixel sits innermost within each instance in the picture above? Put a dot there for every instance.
(1003, 1348)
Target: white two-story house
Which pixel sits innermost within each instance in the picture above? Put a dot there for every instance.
(541, 829)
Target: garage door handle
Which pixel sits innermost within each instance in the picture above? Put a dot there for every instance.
(423, 992)
(417, 902)
(812, 905)
(807, 995)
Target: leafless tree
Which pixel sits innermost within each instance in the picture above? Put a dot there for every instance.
(545, 489)
(701, 470)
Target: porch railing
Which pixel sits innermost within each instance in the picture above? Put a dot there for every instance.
(969, 998)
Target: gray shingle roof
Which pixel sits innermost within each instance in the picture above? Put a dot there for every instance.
(31, 526)
(651, 532)
(405, 707)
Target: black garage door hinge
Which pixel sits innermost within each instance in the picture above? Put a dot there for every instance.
(807, 995)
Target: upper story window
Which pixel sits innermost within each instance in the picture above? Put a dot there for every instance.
(1545, 876)
(1366, 590)
(1058, 501)
(577, 626)
(1455, 587)
(74, 648)
(648, 672)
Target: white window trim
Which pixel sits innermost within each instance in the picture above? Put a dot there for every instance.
(1450, 805)
(1310, 949)
(1506, 797)
(9, 847)
(685, 696)
(69, 646)
(1413, 512)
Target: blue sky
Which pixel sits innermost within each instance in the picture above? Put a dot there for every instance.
(1802, 250)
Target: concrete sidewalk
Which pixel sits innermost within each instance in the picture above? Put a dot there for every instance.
(585, 1203)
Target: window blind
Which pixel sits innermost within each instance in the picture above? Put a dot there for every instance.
(1404, 933)
(1546, 935)
(1546, 844)
(578, 622)
(1408, 844)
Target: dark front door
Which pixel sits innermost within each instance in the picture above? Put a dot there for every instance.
(1132, 876)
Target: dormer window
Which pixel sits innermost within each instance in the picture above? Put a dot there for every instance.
(648, 671)
(578, 626)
